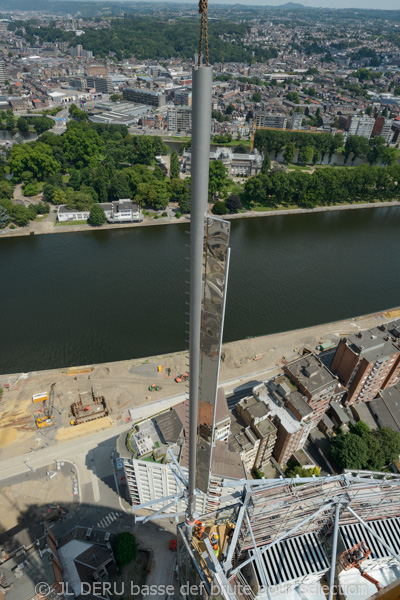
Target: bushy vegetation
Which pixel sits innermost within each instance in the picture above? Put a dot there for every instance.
(324, 187)
(125, 547)
(148, 38)
(362, 448)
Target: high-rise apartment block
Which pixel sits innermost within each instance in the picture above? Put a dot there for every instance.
(151, 472)
(180, 118)
(253, 434)
(275, 121)
(361, 125)
(3, 75)
(315, 382)
(383, 128)
(279, 418)
(366, 363)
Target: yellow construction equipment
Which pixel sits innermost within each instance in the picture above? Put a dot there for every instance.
(43, 422)
(47, 409)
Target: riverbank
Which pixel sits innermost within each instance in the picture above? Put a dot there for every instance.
(125, 384)
(49, 225)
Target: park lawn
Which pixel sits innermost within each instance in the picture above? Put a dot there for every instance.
(234, 187)
(40, 218)
(68, 223)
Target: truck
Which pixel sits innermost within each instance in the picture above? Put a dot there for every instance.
(42, 397)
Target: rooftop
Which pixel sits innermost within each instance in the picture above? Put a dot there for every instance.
(311, 373)
(386, 409)
(373, 344)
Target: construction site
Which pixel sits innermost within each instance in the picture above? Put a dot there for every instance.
(301, 538)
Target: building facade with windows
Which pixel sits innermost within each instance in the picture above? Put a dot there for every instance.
(366, 363)
(144, 96)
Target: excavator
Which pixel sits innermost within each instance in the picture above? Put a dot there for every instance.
(354, 557)
(47, 410)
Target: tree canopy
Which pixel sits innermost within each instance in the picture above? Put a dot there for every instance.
(362, 448)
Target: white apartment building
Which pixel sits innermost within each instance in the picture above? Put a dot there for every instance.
(361, 125)
(150, 471)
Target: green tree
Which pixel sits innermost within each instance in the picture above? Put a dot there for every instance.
(175, 167)
(293, 97)
(30, 189)
(390, 444)
(81, 143)
(180, 193)
(229, 109)
(97, 216)
(4, 217)
(306, 154)
(22, 124)
(233, 203)
(75, 180)
(289, 153)
(217, 177)
(349, 451)
(266, 165)
(125, 547)
(219, 208)
(37, 159)
(256, 97)
(58, 196)
(159, 195)
(21, 215)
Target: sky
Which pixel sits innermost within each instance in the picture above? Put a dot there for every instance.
(382, 4)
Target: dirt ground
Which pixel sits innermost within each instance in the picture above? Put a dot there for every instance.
(125, 384)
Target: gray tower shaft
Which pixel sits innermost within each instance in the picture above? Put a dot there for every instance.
(202, 77)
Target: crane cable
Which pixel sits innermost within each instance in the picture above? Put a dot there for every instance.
(203, 5)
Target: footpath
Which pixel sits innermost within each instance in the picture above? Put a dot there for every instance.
(48, 225)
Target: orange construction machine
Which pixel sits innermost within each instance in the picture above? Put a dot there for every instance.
(354, 557)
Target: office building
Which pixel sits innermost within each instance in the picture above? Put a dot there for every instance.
(360, 125)
(143, 96)
(366, 363)
(315, 382)
(79, 52)
(102, 85)
(183, 96)
(180, 119)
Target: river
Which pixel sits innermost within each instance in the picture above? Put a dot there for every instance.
(99, 296)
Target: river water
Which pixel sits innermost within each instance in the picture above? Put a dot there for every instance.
(77, 298)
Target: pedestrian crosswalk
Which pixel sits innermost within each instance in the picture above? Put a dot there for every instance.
(112, 516)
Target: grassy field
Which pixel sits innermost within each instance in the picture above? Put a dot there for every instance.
(69, 223)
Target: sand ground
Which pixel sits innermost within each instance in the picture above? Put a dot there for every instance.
(125, 384)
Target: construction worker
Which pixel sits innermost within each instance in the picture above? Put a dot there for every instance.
(216, 550)
(199, 531)
(214, 539)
